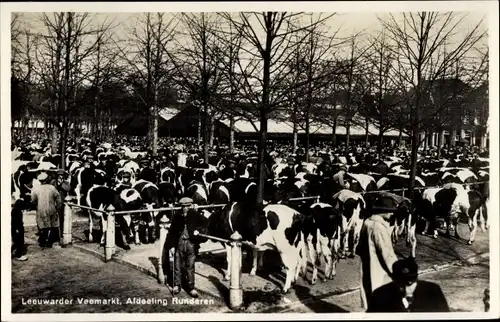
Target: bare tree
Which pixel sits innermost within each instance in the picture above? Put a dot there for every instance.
(196, 66)
(385, 95)
(147, 55)
(418, 37)
(268, 44)
(58, 67)
(353, 84)
(319, 46)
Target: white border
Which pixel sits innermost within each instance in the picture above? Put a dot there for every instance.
(487, 7)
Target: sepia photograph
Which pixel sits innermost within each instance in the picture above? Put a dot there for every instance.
(249, 159)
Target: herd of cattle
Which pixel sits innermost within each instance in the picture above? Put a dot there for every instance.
(327, 226)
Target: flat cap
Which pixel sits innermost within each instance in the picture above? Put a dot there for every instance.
(61, 172)
(186, 201)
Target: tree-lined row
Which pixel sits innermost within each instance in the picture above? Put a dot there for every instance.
(417, 73)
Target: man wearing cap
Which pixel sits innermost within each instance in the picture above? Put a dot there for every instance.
(376, 252)
(181, 237)
(48, 204)
(408, 294)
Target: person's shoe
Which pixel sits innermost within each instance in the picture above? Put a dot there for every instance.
(193, 293)
(176, 290)
(22, 258)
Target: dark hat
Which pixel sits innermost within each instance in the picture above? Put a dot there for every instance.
(61, 172)
(405, 270)
(186, 201)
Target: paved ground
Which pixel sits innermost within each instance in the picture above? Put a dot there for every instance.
(462, 282)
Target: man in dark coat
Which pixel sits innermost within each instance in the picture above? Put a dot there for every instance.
(182, 237)
(406, 293)
(17, 229)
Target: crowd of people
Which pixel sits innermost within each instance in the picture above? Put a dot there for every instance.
(388, 284)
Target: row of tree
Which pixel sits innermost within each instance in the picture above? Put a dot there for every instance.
(416, 74)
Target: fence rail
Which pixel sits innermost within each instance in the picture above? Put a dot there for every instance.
(235, 242)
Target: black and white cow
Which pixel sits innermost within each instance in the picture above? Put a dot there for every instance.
(276, 227)
(449, 202)
(99, 197)
(361, 182)
(130, 199)
(150, 194)
(83, 179)
(350, 204)
(322, 231)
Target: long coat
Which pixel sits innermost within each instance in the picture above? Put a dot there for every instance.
(377, 256)
(48, 204)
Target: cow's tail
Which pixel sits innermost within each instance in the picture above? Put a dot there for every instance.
(303, 256)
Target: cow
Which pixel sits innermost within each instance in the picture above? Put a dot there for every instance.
(322, 232)
(361, 182)
(84, 178)
(150, 195)
(99, 197)
(449, 202)
(350, 204)
(276, 227)
(130, 199)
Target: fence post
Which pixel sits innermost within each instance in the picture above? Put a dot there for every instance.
(67, 221)
(403, 192)
(164, 223)
(110, 233)
(235, 290)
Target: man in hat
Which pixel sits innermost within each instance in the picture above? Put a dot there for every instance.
(48, 204)
(376, 252)
(408, 294)
(181, 237)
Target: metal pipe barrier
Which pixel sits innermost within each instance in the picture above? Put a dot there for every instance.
(235, 288)
(165, 209)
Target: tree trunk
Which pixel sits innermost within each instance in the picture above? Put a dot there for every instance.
(206, 133)
(261, 157)
(348, 135)
(367, 133)
(440, 143)
(380, 143)
(199, 125)
(62, 144)
(334, 133)
(212, 132)
(231, 135)
(55, 133)
(414, 156)
(153, 129)
(400, 137)
(453, 138)
(306, 145)
(295, 137)
(426, 141)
